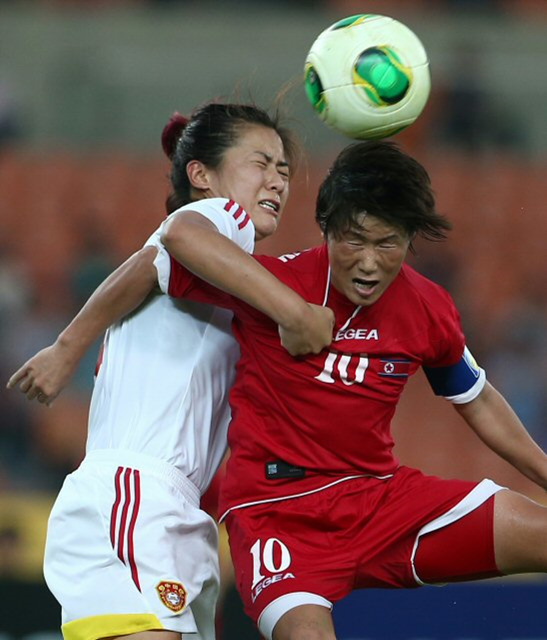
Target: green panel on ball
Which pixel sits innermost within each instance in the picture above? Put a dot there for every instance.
(314, 89)
(352, 20)
(379, 72)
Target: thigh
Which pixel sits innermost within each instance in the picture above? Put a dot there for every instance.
(462, 550)
(505, 535)
(306, 621)
(282, 561)
(520, 534)
(148, 635)
(414, 508)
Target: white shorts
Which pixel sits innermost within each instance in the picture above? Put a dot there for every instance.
(128, 549)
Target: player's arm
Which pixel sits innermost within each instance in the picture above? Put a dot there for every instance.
(194, 241)
(497, 425)
(47, 373)
(489, 415)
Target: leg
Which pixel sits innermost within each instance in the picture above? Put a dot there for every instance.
(520, 534)
(148, 635)
(505, 535)
(306, 622)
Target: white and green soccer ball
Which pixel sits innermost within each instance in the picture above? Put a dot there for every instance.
(367, 76)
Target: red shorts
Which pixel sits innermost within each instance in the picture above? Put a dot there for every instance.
(359, 533)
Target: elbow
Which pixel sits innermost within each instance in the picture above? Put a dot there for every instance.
(168, 237)
(175, 233)
(144, 265)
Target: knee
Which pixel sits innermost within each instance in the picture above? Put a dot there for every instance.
(304, 631)
(307, 622)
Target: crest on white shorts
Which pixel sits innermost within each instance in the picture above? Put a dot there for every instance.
(172, 594)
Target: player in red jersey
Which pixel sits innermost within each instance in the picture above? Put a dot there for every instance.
(314, 500)
(315, 503)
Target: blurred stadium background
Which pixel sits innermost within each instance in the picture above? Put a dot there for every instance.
(85, 89)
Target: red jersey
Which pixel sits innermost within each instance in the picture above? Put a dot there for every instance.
(301, 424)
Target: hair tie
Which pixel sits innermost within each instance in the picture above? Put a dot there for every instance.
(172, 132)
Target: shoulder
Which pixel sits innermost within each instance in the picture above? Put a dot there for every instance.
(207, 204)
(230, 219)
(432, 295)
(431, 310)
(303, 271)
(218, 206)
(309, 260)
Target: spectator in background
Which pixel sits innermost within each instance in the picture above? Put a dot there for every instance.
(517, 362)
(466, 116)
(95, 264)
(10, 122)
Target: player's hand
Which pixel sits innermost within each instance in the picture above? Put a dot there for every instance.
(45, 375)
(313, 335)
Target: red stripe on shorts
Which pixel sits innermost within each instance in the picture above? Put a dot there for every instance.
(131, 530)
(115, 506)
(125, 509)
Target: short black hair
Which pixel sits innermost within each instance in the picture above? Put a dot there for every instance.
(377, 178)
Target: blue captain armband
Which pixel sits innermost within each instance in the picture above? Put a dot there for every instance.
(460, 382)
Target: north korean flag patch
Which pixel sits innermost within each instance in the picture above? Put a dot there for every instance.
(394, 368)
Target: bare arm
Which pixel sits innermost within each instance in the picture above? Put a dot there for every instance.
(46, 374)
(497, 425)
(303, 327)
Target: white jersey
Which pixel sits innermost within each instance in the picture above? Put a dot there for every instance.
(162, 386)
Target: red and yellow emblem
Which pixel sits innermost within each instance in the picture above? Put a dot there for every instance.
(172, 594)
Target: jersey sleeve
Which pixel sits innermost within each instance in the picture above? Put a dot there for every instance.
(177, 282)
(460, 382)
(231, 221)
(229, 218)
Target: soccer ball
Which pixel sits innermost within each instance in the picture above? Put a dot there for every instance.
(367, 76)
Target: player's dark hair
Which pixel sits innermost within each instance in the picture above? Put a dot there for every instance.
(378, 178)
(207, 134)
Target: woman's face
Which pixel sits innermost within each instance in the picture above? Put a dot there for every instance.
(366, 259)
(255, 174)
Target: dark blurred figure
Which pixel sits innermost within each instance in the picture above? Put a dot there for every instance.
(11, 128)
(516, 362)
(27, 605)
(10, 552)
(95, 264)
(481, 5)
(467, 117)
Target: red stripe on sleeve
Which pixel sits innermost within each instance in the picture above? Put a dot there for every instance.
(244, 222)
(240, 213)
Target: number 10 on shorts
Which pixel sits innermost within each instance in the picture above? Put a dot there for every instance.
(274, 558)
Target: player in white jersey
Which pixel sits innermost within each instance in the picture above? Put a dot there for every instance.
(168, 350)
(129, 552)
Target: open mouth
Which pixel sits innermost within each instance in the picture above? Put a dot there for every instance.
(365, 287)
(270, 205)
